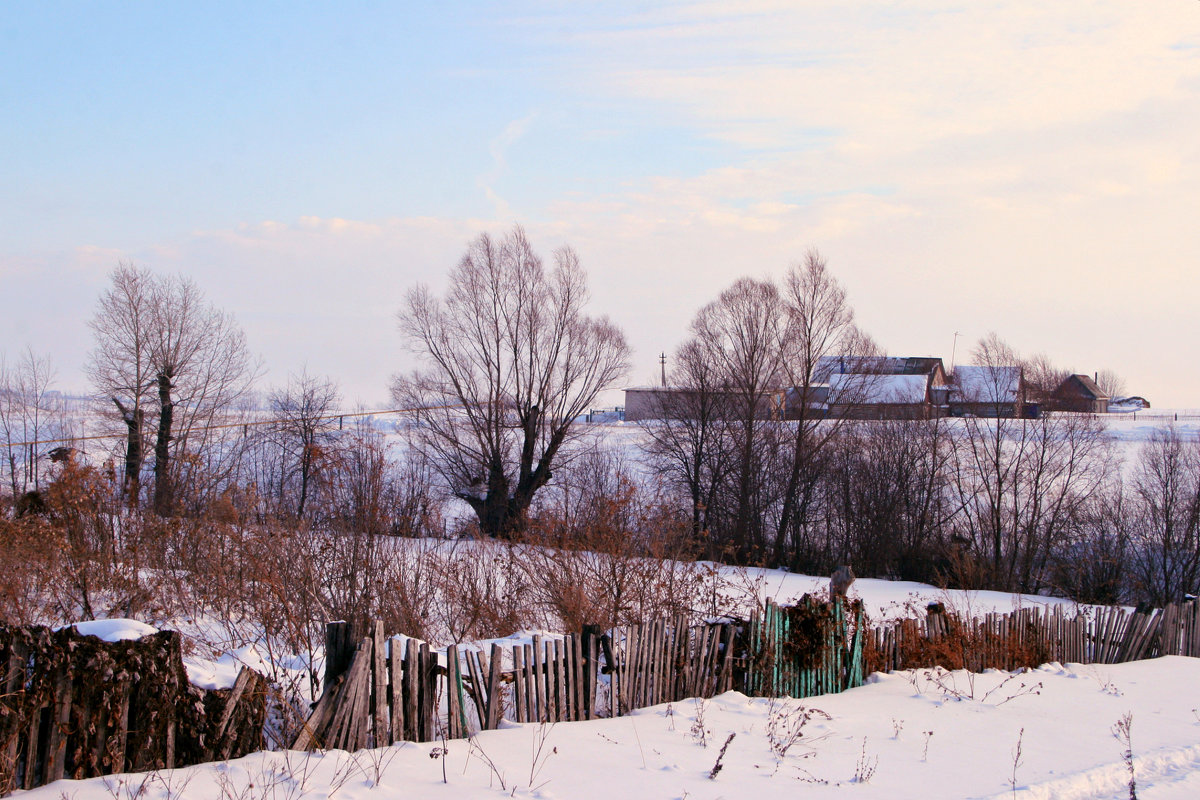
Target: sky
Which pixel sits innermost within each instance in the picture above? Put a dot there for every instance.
(1031, 169)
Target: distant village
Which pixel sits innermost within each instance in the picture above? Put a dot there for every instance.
(896, 387)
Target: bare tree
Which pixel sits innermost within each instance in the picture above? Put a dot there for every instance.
(690, 441)
(1041, 376)
(163, 349)
(511, 361)
(741, 334)
(303, 429)
(1111, 383)
(820, 324)
(1166, 517)
(28, 414)
(119, 365)
(1023, 483)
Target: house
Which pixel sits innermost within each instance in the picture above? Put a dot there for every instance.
(874, 396)
(987, 391)
(1080, 393)
(672, 402)
(882, 387)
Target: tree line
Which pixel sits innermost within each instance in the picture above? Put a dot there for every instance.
(510, 359)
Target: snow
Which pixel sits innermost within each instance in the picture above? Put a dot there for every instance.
(114, 630)
(864, 388)
(987, 384)
(927, 734)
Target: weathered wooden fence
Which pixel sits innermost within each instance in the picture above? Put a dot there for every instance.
(381, 690)
(75, 706)
(1031, 636)
(807, 649)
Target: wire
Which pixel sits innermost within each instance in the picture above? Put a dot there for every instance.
(102, 436)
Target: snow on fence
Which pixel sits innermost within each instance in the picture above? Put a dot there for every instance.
(1031, 636)
(382, 690)
(76, 706)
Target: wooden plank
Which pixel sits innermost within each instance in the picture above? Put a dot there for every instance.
(539, 675)
(337, 650)
(255, 685)
(614, 673)
(60, 722)
(32, 749)
(429, 692)
(318, 720)
(412, 691)
(495, 692)
(380, 728)
(518, 658)
(455, 717)
(589, 671)
(552, 696)
(531, 701)
(396, 689)
(342, 728)
(217, 736)
(577, 677)
(477, 687)
(566, 704)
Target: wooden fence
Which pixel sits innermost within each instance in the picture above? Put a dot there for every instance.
(1031, 636)
(78, 707)
(381, 690)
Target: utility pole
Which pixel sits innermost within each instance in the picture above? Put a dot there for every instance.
(662, 361)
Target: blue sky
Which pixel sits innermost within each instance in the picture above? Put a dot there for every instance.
(963, 166)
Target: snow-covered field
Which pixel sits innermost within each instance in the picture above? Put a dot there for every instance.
(1042, 734)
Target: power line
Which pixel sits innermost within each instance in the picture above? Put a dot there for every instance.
(101, 436)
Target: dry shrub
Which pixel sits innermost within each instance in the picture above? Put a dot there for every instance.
(480, 590)
(628, 559)
(29, 550)
(960, 642)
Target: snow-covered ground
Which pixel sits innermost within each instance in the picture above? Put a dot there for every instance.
(925, 734)
(1042, 734)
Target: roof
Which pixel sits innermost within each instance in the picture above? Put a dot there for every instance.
(980, 384)
(870, 388)
(876, 365)
(1081, 385)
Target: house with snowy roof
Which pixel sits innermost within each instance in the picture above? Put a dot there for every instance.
(883, 387)
(987, 391)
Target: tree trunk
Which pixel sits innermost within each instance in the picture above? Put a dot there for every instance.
(133, 447)
(162, 448)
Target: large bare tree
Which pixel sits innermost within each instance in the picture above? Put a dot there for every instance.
(741, 334)
(119, 364)
(163, 351)
(511, 359)
(820, 325)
